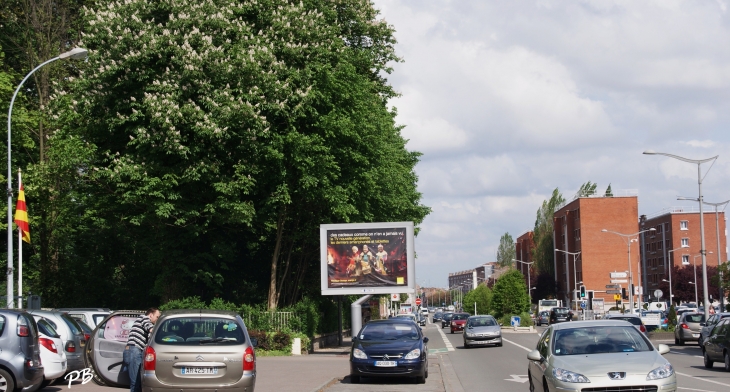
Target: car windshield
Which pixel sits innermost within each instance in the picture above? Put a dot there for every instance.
(47, 329)
(694, 318)
(193, 331)
(448, 316)
(461, 316)
(481, 322)
(599, 340)
(389, 331)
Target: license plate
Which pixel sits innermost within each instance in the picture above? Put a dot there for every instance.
(695, 335)
(199, 370)
(385, 363)
(481, 342)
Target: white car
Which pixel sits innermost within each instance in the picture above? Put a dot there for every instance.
(424, 311)
(53, 357)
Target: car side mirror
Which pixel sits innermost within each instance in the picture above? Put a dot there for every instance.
(500, 324)
(663, 349)
(425, 339)
(534, 355)
(254, 342)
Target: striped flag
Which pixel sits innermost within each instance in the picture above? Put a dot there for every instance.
(21, 215)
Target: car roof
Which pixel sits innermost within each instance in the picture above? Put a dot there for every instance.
(393, 320)
(201, 312)
(591, 323)
(481, 316)
(625, 315)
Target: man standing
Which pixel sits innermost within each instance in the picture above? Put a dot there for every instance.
(136, 344)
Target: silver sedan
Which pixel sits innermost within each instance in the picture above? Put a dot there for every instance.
(585, 355)
(482, 330)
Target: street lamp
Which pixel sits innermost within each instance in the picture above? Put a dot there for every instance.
(671, 296)
(694, 267)
(717, 233)
(529, 293)
(699, 163)
(627, 238)
(575, 276)
(73, 54)
(696, 299)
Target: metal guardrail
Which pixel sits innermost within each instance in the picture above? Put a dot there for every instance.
(276, 320)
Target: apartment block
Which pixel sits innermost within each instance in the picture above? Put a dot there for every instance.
(593, 254)
(523, 251)
(469, 279)
(676, 242)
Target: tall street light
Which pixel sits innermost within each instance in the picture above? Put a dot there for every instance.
(74, 54)
(699, 163)
(529, 290)
(575, 274)
(628, 239)
(671, 296)
(719, 254)
(694, 267)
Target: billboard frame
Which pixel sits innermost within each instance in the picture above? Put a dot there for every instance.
(410, 287)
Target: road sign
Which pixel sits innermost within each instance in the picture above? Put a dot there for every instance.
(658, 293)
(613, 291)
(617, 297)
(583, 305)
(418, 301)
(619, 281)
(619, 275)
(612, 286)
(638, 290)
(395, 297)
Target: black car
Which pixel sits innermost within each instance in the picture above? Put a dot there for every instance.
(560, 315)
(437, 316)
(446, 320)
(716, 347)
(389, 348)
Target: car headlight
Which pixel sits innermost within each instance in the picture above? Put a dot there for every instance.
(414, 354)
(359, 354)
(469, 334)
(568, 376)
(660, 372)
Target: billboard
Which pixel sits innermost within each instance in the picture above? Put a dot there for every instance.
(367, 258)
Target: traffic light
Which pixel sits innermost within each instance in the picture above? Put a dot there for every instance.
(623, 294)
(582, 291)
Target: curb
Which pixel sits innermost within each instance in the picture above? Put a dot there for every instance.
(448, 375)
(327, 384)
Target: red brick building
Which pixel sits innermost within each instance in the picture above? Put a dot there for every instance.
(678, 228)
(577, 227)
(523, 252)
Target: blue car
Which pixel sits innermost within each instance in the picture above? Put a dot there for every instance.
(389, 348)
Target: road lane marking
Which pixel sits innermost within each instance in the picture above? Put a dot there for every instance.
(520, 346)
(446, 340)
(517, 378)
(703, 379)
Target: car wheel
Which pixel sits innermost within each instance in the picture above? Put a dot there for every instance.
(499, 344)
(708, 362)
(452, 331)
(529, 378)
(6, 381)
(681, 342)
(421, 380)
(354, 379)
(727, 361)
(676, 341)
(33, 387)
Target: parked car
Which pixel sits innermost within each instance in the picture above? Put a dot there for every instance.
(543, 318)
(458, 322)
(446, 320)
(422, 320)
(437, 316)
(91, 316)
(482, 330)
(710, 325)
(633, 320)
(52, 355)
(87, 330)
(716, 347)
(688, 328)
(571, 355)
(560, 315)
(105, 349)
(20, 358)
(408, 316)
(71, 335)
(389, 348)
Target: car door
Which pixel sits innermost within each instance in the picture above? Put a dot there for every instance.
(537, 368)
(106, 349)
(712, 346)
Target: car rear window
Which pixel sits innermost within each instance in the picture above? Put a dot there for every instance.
(694, 318)
(193, 331)
(632, 320)
(481, 322)
(2, 325)
(463, 316)
(75, 329)
(561, 310)
(46, 328)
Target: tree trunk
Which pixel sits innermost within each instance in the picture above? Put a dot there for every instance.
(273, 295)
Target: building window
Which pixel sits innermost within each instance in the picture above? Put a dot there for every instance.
(683, 225)
(659, 228)
(659, 245)
(685, 242)
(576, 232)
(685, 259)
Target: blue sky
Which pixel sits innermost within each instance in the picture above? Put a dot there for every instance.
(508, 100)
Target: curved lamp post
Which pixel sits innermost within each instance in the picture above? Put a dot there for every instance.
(73, 54)
(699, 163)
(627, 238)
(575, 274)
(529, 290)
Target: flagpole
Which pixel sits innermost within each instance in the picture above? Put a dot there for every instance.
(20, 253)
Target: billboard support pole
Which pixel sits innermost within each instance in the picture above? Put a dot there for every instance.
(339, 320)
(356, 314)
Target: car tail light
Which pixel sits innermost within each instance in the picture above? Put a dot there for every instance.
(23, 329)
(70, 347)
(684, 326)
(150, 358)
(48, 344)
(642, 328)
(249, 359)
(87, 336)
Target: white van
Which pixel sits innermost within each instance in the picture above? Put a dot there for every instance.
(662, 306)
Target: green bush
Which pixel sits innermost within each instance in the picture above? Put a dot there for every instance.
(262, 337)
(280, 341)
(184, 303)
(526, 320)
(506, 320)
(306, 341)
(672, 316)
(509, 295)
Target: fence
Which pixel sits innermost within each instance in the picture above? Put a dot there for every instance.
(271, 321)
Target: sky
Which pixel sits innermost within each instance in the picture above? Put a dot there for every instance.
(508, 100)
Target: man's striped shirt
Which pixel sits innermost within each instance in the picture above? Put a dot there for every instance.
(140, 332)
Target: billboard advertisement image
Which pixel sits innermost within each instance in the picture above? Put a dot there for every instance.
(367, 258)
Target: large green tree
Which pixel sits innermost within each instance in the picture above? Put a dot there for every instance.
(482, 296)
(213, 138)
(543, 252)
(506, 251)
(509, 295)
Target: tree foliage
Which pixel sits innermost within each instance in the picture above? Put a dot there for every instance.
(683, 291)
(482, 296)
(543, 252)
(509, 295)
(506, 250)
(587, 189)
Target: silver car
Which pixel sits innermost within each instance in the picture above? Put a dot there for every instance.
(598, 354)
(71, 334)
(482, 330)
(688, 328)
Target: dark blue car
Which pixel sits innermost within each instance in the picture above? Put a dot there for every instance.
(389, 348)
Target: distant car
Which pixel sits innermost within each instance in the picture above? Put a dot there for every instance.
(560, 315)
(422, 320)
(408, 316)
(389, 348)
(20, 356)
(91, 316)
(688, 328)
(458, 322)
(437, 316)
(584, 356)
(631, 319)
(543, 318)
(482, 330)
(424, 311)
(716, 346)
(710, 325)
(446, 320)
